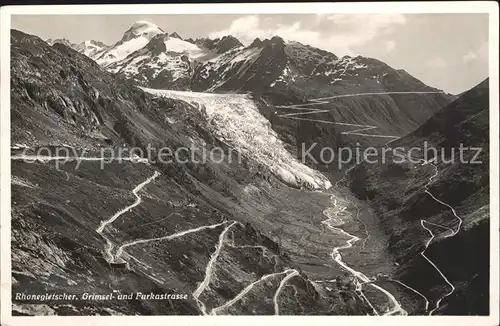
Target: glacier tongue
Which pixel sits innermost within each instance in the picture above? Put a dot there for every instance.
(237, 121)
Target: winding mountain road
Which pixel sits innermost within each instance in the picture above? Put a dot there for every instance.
(109, 244)
(179, 234)
(208, 270)
(429, 241)
(326, 100)
(290, 274)
(415, 291)
(336, 254)
(47, 158)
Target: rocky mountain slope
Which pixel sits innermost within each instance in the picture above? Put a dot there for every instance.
(447, 200)
(265, 234)
(167, 61)
(196, 231)
(64, 41)
(219, 45)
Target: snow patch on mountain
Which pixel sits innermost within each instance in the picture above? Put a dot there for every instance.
(177, 67)
(120, 51)
(179, 46)
(236, 120)
(245, 55)
(339, 69)
(146, 69)
(134, 39)
(287, 75)
(162, 62)
(240, 58)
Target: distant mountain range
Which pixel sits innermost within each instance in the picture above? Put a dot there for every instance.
(280, 73)
(89, 48)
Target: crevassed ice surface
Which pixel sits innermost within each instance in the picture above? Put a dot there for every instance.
(235, 119)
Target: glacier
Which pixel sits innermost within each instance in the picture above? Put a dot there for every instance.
(236, 120)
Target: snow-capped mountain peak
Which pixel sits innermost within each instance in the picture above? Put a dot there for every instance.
(64, 41)
(142, 29)
(164, 61)
(90, 47)
(135, 38)
(168, 61)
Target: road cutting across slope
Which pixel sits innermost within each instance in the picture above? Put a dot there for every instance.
(208, 270)
(307, 110)
(109, 244)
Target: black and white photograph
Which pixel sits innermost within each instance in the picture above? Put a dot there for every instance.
(250, 162)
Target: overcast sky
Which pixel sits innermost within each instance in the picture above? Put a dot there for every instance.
(447, 51)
